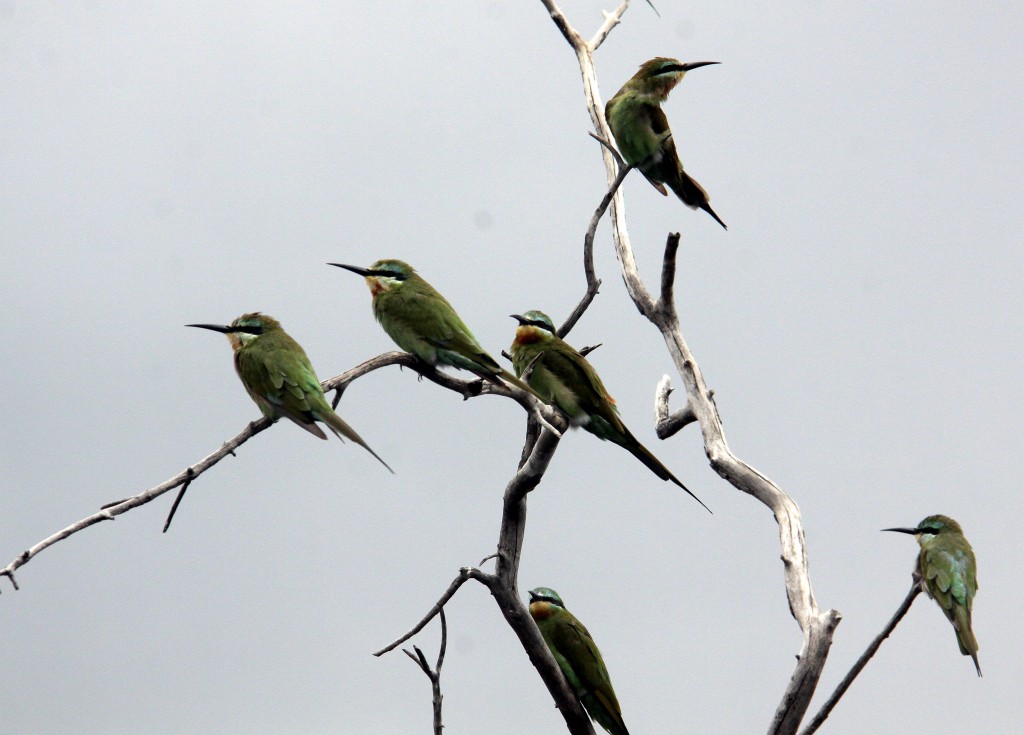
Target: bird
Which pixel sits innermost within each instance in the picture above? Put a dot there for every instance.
(279, 378)
(422, 322)
(642, 133)
(949, 574)
(578, 657)
(564, 378)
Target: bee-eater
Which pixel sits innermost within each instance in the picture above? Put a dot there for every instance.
(279, 378)
(641, 129)
(949, 574)
(564, 378)
(578, 658)
(422, 322)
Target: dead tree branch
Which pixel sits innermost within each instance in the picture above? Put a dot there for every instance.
(503, 584)
(817, 626)
(433, 674)
(466, 388)
(826, 709)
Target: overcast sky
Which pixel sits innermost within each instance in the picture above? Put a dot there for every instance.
(163, 163)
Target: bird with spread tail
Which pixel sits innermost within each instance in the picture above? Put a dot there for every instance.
(642, 133)
(279, 378)
(564, 378)
(579, 659)
(949, 574)
(422, 322)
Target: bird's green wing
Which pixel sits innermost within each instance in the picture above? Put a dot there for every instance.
(577, 646)
(572, 369)
(421, 321)
(282, 375)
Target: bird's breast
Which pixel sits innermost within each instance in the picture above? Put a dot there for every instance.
(526, 335)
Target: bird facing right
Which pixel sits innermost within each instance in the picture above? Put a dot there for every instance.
(949, 574)
(642, 133)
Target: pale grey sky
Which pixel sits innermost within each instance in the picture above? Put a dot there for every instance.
(165, 163)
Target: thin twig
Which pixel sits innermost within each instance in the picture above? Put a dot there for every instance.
(593, 282)
(177, 500)
(610, 21)
(466, 573)
(433, 674)
(826, 709)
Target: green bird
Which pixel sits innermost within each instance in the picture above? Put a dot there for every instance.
(278, 377)
(579, 659)
(641, 129)
(949, 574)
(564, 378)
(422, 322)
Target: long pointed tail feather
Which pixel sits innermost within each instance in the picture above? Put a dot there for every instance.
(693, 195)
(342, 430)
(652, 463)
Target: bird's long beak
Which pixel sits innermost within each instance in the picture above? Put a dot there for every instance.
(697, 64)
(911, 531)
(214, 327)
(534, 596)
(522, 320)
(364, 272)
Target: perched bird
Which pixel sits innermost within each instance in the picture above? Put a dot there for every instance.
(641, 129)
(564, 378)
(949, 574)
(278, 377)
(421, 321)
(578, 658)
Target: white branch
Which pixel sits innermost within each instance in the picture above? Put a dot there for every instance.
(817, 626)
(610, 21)
(466, 388)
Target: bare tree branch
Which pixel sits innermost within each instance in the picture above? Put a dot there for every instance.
(466, 573)
(593, 282)
(817, 626)
(666, 424)
(826, 709)
(433, 674)
(546, 415)
(610, 21)
(503, 584)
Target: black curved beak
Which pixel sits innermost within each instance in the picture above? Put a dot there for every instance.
(519, 318)
(911, 531)
(697, 64)
(214, 327)
(364, 272)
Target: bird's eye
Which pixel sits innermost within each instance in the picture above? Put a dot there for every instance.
(251, 329)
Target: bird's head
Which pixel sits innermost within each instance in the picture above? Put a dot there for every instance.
(930, 527)
(543, 602)
(534, 326)
(244, 329)
(382, 275)
(657, 77)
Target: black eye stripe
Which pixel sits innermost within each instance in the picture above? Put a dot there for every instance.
(249, 329)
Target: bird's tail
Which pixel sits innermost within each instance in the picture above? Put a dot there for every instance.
(343, 431)
(965, 635)
(605, 713)
(638, 450)
(693, 195)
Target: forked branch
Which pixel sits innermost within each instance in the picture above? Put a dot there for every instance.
(817, 626)
(826, 709)
(466, 388)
